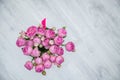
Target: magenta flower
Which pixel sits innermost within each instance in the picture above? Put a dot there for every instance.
(31, 31)
(39, 68)
(28, 65)
(43, 23)
(60, 51)
(20, 42)
(70, 46)
(50, 33)
(41, 31)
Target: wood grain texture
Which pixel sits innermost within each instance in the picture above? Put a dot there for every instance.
(94, 26)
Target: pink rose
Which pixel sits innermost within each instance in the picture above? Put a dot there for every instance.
(41, 31)
(20, 42)
(38, 60)
(45, 42)
(53, 49)
(58, 40)
(62, 32)
(45, 56)
(60, 51)
(35, 52)
(31, 31)
(52, 58)
(50, 33)
(47, 64)
(37, 40)
(70, 46)
(59, 60)
(39, 68)
(29, 43)
(27, 50)
(28, 65)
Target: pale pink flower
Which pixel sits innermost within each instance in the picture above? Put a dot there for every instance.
(35, 52)
(37, 40)
(58, 40)
(59, 60)
(45, 42)
(51, 42)
(47, 64)
(28, 65)
(45, 57)
(38, 60)
(52, 58)
(27, 50)
(62, 32)
(29, 43)
(53, 49)
(20, 42)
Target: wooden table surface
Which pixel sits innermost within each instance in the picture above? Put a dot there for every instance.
(94, 26)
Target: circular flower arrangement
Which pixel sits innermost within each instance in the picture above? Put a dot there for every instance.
(44, 45)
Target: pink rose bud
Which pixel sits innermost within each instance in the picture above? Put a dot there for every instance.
(45, 57)
(50, 33)
(42, 38)
(41, 31)
(62, 32)
(45, 42)
(53, 49)
(27, 50)
(35, 52)
(47, 64)
(59, 60)
(58, 40)
(52, 58)
(20, 42)
(60, 51)
(39, 68)
(28, 65)
(31, 31)
(29, 43)
(70, 46)
(43, 23)
(37, 40)
(51, 42)
(38, 60)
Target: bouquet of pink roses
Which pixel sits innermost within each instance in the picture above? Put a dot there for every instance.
(44, 45)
